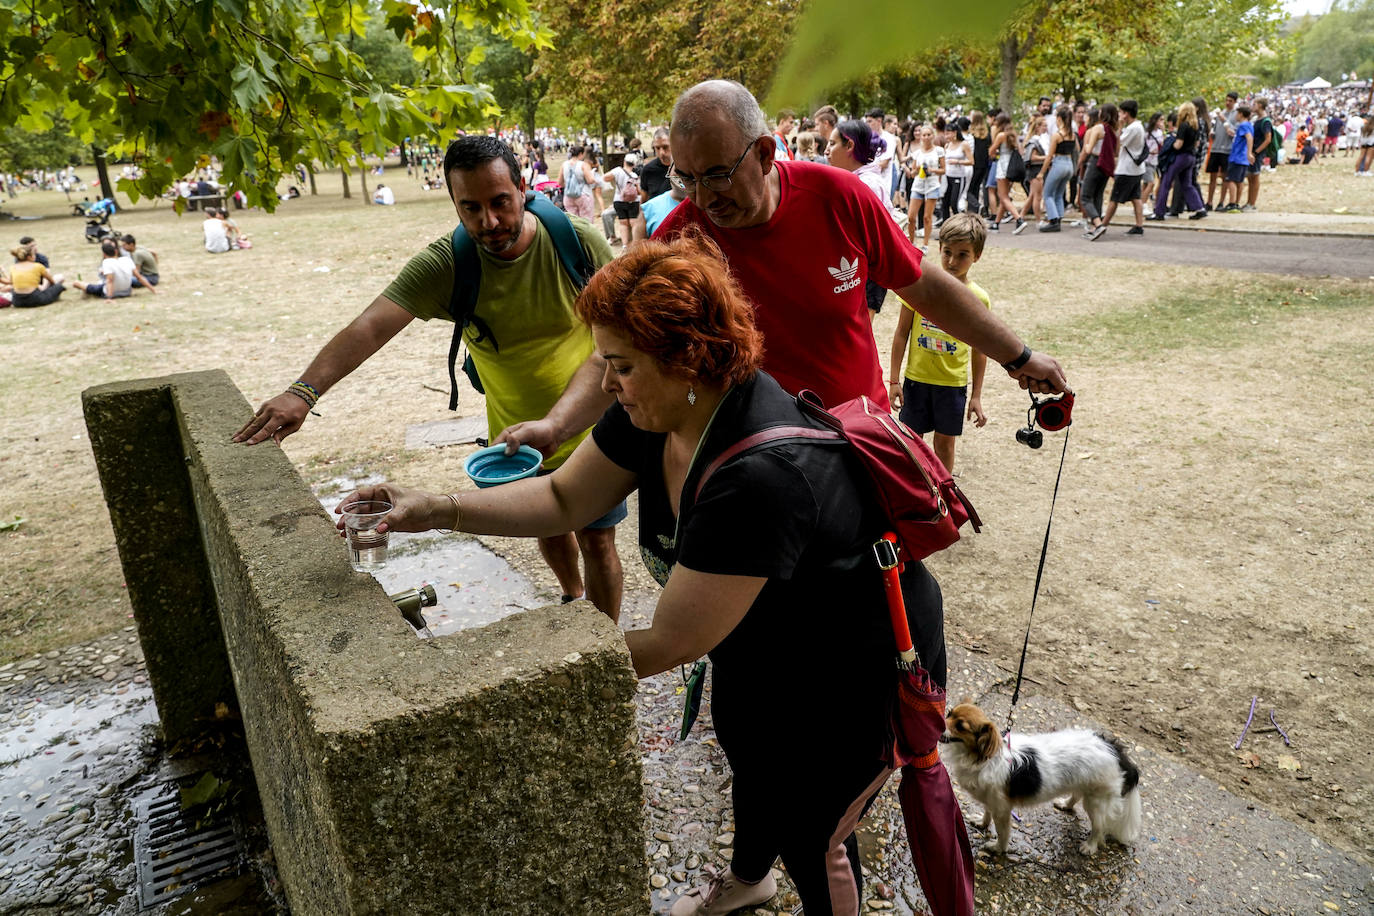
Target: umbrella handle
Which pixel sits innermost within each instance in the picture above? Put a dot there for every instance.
(886, 552)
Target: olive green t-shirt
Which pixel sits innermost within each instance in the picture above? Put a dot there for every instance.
(528, 305)
(144, 261)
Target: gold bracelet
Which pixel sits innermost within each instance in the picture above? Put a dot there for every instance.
(457, 511)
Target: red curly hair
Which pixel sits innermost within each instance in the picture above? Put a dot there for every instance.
(677, 302)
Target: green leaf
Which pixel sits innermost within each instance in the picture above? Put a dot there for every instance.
(835, 43)
(12, 525)
(249, 89)
(207, 790)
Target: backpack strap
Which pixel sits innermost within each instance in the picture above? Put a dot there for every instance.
(467, 280)
(772, 434)
(565, 238)
(462, 302)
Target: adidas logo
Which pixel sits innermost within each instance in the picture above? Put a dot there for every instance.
(845, 274)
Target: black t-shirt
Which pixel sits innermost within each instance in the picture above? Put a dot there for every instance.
(814, 654)
(653, 178)
(1188, 134)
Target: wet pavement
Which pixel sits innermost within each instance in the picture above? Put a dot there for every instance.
(78, 749)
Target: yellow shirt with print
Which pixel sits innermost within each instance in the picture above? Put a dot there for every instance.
(936, 358)
(528, 305)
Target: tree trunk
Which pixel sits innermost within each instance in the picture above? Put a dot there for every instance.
(310, 172)
(101, 170)
(1006, 94)
(604, 130)
(362, 178)
(531, 109)
(348, 192)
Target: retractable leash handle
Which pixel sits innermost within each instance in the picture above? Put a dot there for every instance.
(885, 549)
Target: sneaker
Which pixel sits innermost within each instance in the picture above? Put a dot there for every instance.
(1097, 233)
(1207, 206)
(1136, 230)
(1050, 227)
(1008, 217)
(1248, 208)
(1154, 217)
(1078, 224)
(1198, 214)
(1020, 226)
(1230, 208)
(724, 894)
(993, 227)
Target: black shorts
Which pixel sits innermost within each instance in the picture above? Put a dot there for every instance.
(1216, 162)
(1126, 188)
(1236, 171)
(626, 209)
(927, 407)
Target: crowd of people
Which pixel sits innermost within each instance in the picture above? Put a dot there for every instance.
(1065, 156)
(124, 266)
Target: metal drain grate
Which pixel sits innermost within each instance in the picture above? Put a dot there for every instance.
(171, 855)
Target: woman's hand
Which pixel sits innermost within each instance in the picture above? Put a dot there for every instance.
(411, 510)
(894, 394)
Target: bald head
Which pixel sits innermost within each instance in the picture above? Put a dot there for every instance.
(705, 105)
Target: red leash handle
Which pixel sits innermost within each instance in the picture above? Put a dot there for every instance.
(886, 551)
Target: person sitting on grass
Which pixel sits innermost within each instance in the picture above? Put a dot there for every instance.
(31, 281)
(930, 392)
(32, 245)
(216, 232)
(117, 274)
(144, 259)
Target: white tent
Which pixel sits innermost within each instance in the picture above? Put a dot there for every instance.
(1317, 83)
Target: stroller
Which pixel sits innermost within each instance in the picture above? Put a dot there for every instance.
(552, 190)
(98, 225)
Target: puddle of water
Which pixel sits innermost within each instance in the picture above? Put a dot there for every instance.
(474, 586)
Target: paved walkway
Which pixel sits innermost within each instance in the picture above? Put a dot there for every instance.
(1211, 243)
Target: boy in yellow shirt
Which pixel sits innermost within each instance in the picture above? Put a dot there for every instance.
(931, 394)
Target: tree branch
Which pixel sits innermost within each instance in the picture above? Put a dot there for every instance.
(1024, 47)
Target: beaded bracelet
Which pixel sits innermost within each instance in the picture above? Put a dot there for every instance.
(308, 387)
(309, 401)
(303, 391)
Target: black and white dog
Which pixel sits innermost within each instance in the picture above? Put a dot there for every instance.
(1075, 763)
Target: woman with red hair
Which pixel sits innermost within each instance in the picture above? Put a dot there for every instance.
(766, 566)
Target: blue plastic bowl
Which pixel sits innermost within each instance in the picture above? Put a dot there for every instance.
(491, 466)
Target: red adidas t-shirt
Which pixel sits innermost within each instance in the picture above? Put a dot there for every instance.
(804, 271)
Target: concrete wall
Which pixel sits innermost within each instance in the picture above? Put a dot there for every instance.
(492, 771)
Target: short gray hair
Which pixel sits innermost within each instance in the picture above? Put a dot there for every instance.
(726, 97)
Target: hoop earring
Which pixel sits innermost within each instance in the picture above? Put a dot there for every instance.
(691, 396)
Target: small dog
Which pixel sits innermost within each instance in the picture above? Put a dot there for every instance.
(1079, 764)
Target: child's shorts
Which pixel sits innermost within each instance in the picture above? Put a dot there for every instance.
(1236, 171)
(927, 407)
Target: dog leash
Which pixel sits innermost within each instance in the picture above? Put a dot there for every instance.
(1039, 573)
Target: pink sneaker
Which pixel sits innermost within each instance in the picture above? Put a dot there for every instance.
(723, 894)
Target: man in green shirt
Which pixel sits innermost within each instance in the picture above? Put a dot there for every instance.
(525, 300)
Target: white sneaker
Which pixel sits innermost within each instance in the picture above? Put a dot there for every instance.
(724, 894)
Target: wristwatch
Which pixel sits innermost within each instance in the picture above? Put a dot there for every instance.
(1019, 361)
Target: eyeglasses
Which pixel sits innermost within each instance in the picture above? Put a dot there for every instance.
(715, 181)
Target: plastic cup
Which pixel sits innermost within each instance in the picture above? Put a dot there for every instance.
(367, 546)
